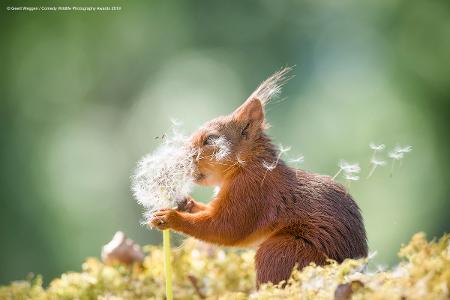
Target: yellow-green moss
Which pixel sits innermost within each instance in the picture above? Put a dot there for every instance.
(205, 271)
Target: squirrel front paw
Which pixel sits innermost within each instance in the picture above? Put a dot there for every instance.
(189, 205)
(186, 204)
(164, 218)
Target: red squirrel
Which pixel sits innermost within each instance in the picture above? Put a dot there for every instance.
(293, 217)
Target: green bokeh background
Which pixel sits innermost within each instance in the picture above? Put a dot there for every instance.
(84, 94)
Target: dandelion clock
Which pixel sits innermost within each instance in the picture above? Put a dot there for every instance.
(160, 180)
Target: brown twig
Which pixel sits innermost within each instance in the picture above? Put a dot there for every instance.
(194, 282)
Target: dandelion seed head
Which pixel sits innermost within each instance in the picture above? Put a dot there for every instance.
(377, 162)
(161, 178)
(376, 147)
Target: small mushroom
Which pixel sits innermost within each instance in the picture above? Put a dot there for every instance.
(121, 250)
(344, 291)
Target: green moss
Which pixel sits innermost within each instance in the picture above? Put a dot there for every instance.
(205, 271)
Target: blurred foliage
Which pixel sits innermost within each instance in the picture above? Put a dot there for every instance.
(203, 271)
(84, 95)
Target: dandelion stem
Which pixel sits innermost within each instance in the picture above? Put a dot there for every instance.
(337, 174)
(373, 154)
(374, 166)
(167, 265)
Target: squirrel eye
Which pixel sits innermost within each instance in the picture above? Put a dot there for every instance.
(210, 139)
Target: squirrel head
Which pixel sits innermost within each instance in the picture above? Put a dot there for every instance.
(227, 143)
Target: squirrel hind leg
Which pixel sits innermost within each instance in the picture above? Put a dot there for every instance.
(277, 256)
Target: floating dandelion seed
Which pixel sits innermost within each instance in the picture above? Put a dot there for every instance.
(375, 163)
(164, 175)
(376, 147)
(404, 149)
(349, 170)
(397, 155)
(271, 166)
(373, 160)
(283, 150)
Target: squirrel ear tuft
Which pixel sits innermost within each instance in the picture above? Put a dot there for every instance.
(250, 111)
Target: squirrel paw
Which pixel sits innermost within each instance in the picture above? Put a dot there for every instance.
(186, 204)
(164, 218)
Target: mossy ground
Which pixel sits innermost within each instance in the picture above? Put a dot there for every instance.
(202, 271)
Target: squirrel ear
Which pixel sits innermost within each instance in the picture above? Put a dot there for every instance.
(250, 111)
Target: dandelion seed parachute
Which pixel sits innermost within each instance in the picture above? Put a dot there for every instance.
(377, 162)
(351, 177)
(349, 168)
(396, 155)
(404, 149)
(163, 176)
(283, 150)
(399, 152)
(376, 147)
